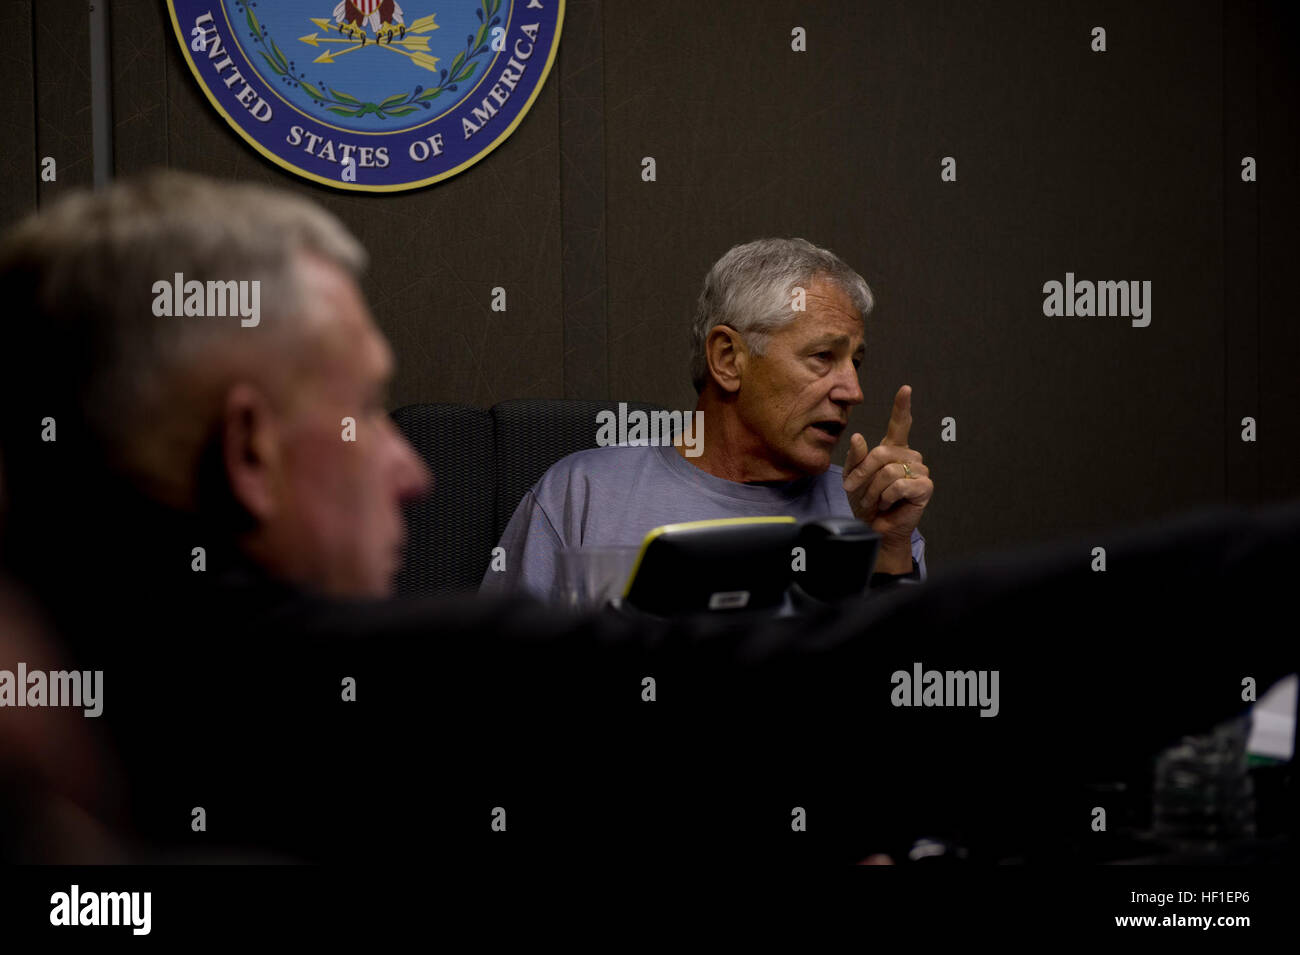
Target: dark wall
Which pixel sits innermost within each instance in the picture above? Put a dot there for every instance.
(1115, 166)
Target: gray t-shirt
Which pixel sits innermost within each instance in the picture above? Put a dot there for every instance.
(614, 496)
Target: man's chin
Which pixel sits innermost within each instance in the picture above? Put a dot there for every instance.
(378, 590)
(815, 456)
(809, 461)
(386, 586)
(376, 582)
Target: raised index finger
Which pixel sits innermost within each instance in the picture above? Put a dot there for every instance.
(900, 419)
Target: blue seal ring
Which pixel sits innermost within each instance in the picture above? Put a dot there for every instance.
(371, 95)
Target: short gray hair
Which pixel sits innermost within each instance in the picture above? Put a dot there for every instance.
(749, 289)
(77, 279)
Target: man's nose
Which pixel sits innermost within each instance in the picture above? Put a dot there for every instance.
(414, 479)
(847, 389)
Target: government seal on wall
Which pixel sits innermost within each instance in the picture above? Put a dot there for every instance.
(371, 95)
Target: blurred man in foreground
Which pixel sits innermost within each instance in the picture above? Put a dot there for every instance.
(201, 411)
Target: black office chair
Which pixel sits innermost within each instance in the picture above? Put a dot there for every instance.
(451, 532)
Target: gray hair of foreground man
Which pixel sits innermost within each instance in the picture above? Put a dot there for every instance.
(751, 288)
(79, 278)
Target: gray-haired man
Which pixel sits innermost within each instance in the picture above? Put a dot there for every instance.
(205, 410)
(777, 343)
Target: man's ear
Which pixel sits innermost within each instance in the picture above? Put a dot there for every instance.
(250, 443)
(727, 356)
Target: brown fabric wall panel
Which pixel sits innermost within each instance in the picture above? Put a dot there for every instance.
(1067, 160)
(141, 35)
(62, 49)
(1097, 166)
(19, 164)
(436, 253)
(1278, 198)
(582, 188)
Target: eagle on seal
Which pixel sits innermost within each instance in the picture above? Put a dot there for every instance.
(383, 17)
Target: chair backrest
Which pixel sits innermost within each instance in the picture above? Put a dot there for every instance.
(483, 461)
(451, 532)
(534, 433)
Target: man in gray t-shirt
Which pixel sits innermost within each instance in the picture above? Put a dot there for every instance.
(778, 340)
(613, 497)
